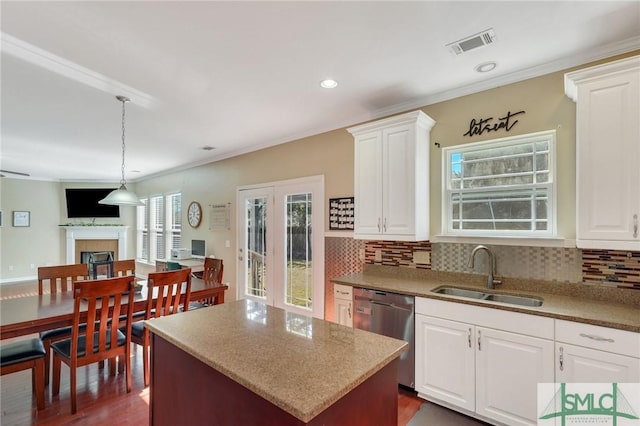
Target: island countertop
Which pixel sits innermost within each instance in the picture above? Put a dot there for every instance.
(301, 364)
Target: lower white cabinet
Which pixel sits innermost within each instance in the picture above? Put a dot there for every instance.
(465, 362)
(591, 354)
(343, 304)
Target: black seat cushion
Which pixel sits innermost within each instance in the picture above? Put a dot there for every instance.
(23, 350)
(63, 347)
(59, 333)
(137, 329)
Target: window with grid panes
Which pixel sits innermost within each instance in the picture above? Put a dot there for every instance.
(159, 224)
(504, 187)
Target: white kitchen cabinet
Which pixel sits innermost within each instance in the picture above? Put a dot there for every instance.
(445, 361)
(481, 361)
(591, 354)
(608, 154)
(343, 304)
(392, 178)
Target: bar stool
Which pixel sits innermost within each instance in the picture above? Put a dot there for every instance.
(23, 355)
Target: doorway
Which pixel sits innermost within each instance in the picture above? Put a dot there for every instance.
(281, 244)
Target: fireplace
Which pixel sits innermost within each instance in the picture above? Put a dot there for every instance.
(96, 239)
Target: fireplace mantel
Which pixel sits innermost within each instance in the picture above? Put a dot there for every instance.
(95, 233)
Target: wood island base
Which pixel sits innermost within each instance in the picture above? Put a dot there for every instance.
(184, 390)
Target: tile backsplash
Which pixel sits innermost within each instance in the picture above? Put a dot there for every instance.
(603, 267)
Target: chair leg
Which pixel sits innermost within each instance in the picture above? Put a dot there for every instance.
(47, 359)
(127, 364)
(38, 382)
(145, 362)
(112, 366)
(73, 389)
(55, 385)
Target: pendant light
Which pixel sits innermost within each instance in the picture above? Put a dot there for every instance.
(122, 196)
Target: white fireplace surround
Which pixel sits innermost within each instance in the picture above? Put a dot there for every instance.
(95, 233)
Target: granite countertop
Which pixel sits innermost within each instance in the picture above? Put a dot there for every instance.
(300, 364)
(607, 307)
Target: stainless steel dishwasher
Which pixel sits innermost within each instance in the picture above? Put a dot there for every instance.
(389, 314)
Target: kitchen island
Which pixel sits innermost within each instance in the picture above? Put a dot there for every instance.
(248, 363)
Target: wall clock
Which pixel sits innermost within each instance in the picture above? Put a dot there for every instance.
(194, 214)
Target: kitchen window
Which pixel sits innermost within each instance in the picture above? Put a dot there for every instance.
(501, 188)
(159, 227)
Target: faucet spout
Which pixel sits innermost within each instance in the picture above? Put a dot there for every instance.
(491, 281)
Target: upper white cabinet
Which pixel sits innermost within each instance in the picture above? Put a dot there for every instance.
(608, 154)
(392, 178)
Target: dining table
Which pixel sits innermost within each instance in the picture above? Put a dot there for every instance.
(21, 316)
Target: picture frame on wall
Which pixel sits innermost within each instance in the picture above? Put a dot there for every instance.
(0, 218)
(21, 218)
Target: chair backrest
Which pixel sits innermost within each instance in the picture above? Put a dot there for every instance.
(64, 274)
(124, 267)
(213, 269)
(168, 286)
(90, 295)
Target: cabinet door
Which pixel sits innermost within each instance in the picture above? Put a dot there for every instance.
(368, 184)
(398, 177)
(343, 312)
(575, 364)
(445, 362)
(608, 124)
(509, 367)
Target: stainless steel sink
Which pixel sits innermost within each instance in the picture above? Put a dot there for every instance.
(460, 292)
(514, 300)
(492, 297)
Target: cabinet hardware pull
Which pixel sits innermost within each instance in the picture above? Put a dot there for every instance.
(561, 359)
(479, 338)
(384, 227)
(379, 229)
(635, 225)
(596, 338)
(349, 310)
(469, 336)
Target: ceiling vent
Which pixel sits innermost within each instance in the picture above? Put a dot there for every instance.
(472, 42)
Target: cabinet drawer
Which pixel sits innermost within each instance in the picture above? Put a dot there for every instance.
(596, 337)
(342, 291)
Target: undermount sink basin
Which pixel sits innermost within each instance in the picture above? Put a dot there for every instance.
(492, 297)
(461, 292)
(514, 300)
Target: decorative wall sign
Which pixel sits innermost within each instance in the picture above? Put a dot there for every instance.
(341, 213)
(483, 125)
(220, 217)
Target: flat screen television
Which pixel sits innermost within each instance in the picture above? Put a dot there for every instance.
(198, 249)
(83, 202)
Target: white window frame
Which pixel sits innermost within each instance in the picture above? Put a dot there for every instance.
(147, 234)
(550, 186)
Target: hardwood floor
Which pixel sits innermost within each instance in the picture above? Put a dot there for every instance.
(102, 399)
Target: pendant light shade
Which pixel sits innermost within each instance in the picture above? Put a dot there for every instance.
(122, 196)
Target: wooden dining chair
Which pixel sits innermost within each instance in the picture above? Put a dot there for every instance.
(163, 298)
(124, 267)
(102, 342)
(60, 279)
(24, 355)
(213, 271)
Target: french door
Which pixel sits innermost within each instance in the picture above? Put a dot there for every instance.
(281, 244)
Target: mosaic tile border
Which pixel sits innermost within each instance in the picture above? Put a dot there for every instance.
(612, 267)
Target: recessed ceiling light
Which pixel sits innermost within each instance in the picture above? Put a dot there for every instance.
(328, 83)
(486, 67)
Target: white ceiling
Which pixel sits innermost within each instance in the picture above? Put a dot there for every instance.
(240, 76)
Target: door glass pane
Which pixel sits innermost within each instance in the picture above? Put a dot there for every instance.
(256, 215)
(299, 275)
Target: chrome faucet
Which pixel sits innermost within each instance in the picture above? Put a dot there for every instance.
(491, 282)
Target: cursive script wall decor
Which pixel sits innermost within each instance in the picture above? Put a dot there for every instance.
(485, 125)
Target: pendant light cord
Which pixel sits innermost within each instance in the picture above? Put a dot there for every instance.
(124, 100)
